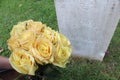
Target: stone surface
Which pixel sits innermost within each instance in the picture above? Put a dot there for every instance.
(89, 24)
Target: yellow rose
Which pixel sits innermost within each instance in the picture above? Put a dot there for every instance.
(42, 51)
(23, 62)
(36, 27)
(21, 36)
(13, 43)
(64, 40)
(19, 28)
(63, 51)
(26, 39)
(61, 56)
(50, 34)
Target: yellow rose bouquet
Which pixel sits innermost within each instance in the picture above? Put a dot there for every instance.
(34, 47)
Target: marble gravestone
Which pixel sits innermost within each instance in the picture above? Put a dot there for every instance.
(89, 24)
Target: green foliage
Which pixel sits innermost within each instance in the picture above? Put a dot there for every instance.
(13, 11)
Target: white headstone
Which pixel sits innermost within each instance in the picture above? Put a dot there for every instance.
(89, 24)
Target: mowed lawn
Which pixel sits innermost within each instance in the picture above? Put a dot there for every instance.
(14, 11)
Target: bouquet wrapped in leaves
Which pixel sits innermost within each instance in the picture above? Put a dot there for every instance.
(32, 44)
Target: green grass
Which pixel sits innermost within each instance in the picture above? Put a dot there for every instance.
(13, 11)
